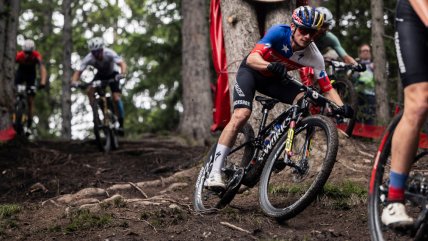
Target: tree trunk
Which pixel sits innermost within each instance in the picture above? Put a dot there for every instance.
(9, 17)
(276, 13)
(241, 33)
(382, 106)
(197, 102)
(47, 31)
(66, 92)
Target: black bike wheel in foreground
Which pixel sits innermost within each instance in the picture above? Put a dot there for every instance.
(102, 132)
(205, 200)
(288, 187)
(378, 191)
(347, 93)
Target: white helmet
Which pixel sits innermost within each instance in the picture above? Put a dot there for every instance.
(328, 17)
(95, 43)
(28, 45)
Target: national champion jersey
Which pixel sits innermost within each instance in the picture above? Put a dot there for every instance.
(106, 66)
(275, 46)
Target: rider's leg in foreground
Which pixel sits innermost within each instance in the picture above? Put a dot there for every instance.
(404, 145)
(227, 138)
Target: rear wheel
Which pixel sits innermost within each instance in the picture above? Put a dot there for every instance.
(206, 200)
(347, 93)
(378, 191)
(101, 131)
(290, 182)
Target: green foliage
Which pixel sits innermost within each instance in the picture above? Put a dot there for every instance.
(7, 210)
(7, 217)
(146, 33)
(344, 195)
(84, 220)
(344, 190)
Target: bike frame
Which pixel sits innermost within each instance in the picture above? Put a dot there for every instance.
(288, 120)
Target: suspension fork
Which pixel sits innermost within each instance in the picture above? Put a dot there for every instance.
(290, 132)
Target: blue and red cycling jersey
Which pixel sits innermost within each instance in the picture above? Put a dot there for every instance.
(275, 46)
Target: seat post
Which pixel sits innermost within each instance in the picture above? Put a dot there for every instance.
(265, 112)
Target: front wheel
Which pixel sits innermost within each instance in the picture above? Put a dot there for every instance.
(347, 93)
(101, 131)
(291, 181)
(206, 200)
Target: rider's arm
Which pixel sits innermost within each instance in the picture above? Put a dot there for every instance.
(85, 63)
(349, 60)
(335, 44)
(421, 9)
(76, 76)
(256, 61)
(43, 74)
(333, 96)
(123, 67)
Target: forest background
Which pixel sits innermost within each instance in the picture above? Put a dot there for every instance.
(149, 36)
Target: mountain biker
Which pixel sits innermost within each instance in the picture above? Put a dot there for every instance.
(105, 61)
(284, 47)
(27, 59)
(412, 53)
(325, 40)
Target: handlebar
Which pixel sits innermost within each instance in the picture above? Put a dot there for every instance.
(338, 65)
(314, 96)
(96, 83)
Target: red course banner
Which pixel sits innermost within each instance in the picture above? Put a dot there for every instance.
(7, 134)
(221, 112)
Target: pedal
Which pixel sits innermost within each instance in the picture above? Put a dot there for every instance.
(236, 179)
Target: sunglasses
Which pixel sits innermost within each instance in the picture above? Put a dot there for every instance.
(305, 31)
(97, 52)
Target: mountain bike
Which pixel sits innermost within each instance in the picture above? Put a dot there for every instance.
(20, 114)
(292, 157)
(416, 194)
(106, 123)
(337, 71)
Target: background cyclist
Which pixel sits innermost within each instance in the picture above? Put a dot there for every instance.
(325, 40)
(105, 61)
(27, 60)
(412, 52)
(283, 48)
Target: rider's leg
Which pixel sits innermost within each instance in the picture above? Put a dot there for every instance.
(118, 107)
(404, 145)
(227, 138)
(90, 92)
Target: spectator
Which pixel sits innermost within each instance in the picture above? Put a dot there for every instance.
(365, 86)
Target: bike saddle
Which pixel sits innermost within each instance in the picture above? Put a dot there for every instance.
(267, 103)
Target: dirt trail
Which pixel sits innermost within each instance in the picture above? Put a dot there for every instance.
(143, 191)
